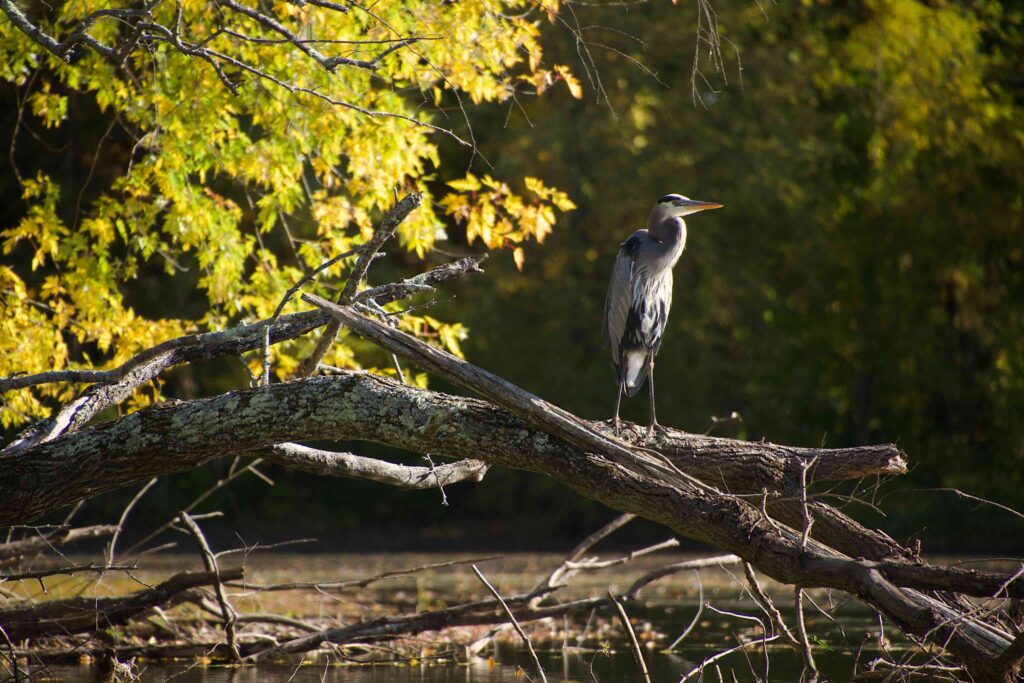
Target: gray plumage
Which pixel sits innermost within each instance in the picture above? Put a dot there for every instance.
(640, 295)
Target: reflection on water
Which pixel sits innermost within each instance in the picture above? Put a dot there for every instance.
(578, 667)
(508, 663)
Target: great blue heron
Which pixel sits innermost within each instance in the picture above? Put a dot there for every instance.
(640, 295)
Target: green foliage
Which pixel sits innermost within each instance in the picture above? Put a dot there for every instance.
(247, 191)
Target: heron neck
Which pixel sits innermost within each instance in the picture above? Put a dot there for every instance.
(670, 231)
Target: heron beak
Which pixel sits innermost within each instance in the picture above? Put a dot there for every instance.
(695, 205)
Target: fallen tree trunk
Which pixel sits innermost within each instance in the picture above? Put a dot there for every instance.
(179, 436)
(111, 387)
(176, 437)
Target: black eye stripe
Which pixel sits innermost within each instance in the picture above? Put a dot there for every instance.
(669, 198)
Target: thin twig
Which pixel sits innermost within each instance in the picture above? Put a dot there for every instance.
(810, 669)
(604, 564)
(210, 560)
(392, 219)
(808, 520)
(360, 583)
(124, 516)
(632, 637)
(696, 616)
(221, 483)
(561, 574)
(512, 618)
(60, 571)
(265, 378)
(724, 653)
(661, 572)
(766, 604)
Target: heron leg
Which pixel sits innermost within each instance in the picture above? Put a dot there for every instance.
(650, 391)
(615, 420)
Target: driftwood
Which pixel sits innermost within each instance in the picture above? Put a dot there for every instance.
(87, 615)
(84, 615)
(49, 539)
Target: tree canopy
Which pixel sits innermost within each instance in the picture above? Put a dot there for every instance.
(241, 147)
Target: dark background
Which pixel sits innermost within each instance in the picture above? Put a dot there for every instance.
(864, 283)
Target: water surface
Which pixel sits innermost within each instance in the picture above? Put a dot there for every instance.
(586, 647)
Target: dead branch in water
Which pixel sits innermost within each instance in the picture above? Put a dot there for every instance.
(43, 540)
(227, 612)
(87, 615)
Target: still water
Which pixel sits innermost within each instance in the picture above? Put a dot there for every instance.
(588, 648)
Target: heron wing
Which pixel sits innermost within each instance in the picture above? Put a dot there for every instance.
(620, 294)
(648, 311)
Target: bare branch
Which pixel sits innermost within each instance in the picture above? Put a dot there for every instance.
(810, 669)
(808, 519)
(63, 571)
(725, 653)
(696, 615)
(512, 619)
(358, 583)
(588, 565)
(210, 560)
(87, 614)
(265, 378)
(637, 652)
(562, 573)
(354, 466)
(387, 228)
(668, 570)
(190, 348)
(112, 545)
(41, 542)
(765, 601)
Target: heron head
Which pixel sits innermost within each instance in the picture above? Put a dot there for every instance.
(678, 205)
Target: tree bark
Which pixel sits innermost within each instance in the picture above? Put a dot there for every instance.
(178, 436)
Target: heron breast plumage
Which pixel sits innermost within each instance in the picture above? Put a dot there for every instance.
(639, 300)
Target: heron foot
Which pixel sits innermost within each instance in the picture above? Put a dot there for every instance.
(655, 427)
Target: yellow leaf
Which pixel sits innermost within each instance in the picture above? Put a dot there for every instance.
(519, 256)
(574, 85)
(467, 184)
